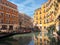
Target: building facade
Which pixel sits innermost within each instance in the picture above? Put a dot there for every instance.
(46, 16)
(8, 15)
(25, 21)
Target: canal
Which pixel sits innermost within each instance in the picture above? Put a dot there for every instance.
(24, 39)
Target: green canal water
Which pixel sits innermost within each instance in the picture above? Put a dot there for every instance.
(19, 39)
(26, 39)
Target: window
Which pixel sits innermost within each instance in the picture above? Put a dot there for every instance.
(7, 10)
(0, 20)
(40, 17)
(44, 10)
(7, 15)
(13, 16)
(44, 21)
(40, 22)
(1, 14)
(44, 16)
(55, 13)
(41, 39)
(47, 20)
(4, 27)
(10, 27)
(58, 0)
(1, 7)
(59, 18)
(56, 8)
(7, 18)
(40, 12)
(56, 5)
(44, 27)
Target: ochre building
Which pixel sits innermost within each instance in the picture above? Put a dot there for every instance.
(46, 16)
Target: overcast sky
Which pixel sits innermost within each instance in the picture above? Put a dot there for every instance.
(28, 6)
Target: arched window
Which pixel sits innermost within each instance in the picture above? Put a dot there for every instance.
(59, 17)
(58, 0)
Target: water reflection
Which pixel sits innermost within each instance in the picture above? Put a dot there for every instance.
(48, 40)
(7, 41)
(24, 39)
(28, 39)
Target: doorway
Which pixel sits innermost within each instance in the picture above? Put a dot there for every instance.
(10, 27)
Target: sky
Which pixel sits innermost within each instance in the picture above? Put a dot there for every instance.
(28, 6)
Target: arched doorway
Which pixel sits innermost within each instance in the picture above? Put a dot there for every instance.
(58, 18)
(58, 23)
